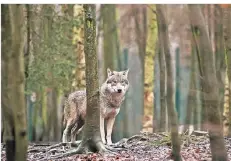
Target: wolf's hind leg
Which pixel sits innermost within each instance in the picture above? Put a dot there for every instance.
(77, 129)
(74, 132)
(66, 131)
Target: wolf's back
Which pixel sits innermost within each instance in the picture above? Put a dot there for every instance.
(74, 104)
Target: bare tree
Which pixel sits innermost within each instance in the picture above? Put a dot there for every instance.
(162, 27)
(108, 13)
(162, 67)
(227, 37)
(209, 83)
(14, 111)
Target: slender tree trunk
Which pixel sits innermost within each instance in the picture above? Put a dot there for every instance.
(192, 92)
(156, 90)
(27, 51)
(108, 13)
(209, 85)
(14, 101)
(227, 37)
(140, 15)
(162, 27)
(220, 62)
(80, 76)
(7, 110)
(162, 67)
(220, 66)
(226, 111)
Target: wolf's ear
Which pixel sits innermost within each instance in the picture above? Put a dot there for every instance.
(126, 73)
(109, 72)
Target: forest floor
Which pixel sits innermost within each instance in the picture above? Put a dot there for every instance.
(143, 147)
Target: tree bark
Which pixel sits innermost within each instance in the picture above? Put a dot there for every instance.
(209, 84)
(170, 95)
(227, 38)
(219, 52)
(80, 76)
(162, 67)
(108, 13)
(91, 140)
(191, 108)
(13, 80)
(7, 110)
(156, 90)
(163, 105)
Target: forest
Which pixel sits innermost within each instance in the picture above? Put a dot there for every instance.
(161, 72)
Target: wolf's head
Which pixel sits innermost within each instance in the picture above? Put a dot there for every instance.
(116, 82)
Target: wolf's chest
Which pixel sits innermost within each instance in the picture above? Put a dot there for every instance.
(111, 112)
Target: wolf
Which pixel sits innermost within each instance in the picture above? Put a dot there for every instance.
(112, 95)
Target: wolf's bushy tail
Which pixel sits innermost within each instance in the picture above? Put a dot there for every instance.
(64, 102)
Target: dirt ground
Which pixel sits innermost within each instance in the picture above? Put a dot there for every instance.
(142, 147)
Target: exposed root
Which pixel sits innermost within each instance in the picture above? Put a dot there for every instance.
(50, 148)
(86, 148)
(55, 151)
(55, 146)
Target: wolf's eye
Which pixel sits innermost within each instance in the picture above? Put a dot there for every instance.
(114, 81)
(108, 82)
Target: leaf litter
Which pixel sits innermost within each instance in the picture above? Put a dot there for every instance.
(142, 147)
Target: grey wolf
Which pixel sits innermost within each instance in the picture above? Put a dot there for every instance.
(112, 94)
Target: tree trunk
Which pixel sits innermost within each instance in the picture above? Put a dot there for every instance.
(108, 13)
(91, 140)
(28, 37)
(140, 15)
(192, 98)
(80, 63)
(14, 101)
(209, 84)
(219, 52)
(156, 90)
(227, 37)
(7, 110)
(162, 65)
(162, 27)
(52, 115)
(220, 64)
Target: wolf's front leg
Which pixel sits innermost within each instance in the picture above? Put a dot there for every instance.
(110, 124)
(102, 132)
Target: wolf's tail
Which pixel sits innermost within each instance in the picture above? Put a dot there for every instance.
(63, 104)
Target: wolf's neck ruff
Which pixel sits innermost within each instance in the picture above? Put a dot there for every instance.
(110, 100)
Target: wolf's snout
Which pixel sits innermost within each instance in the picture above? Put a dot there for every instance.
(119, 90)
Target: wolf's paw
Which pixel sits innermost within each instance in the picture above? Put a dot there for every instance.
(109, 142)
(104, 141)
(64, 141)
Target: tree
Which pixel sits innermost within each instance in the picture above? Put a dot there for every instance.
(108, 13)
(51, 62)
(209, 83)
(13, 80)
(227, 38)
(162, 67)
(91, 140)
(162, 27)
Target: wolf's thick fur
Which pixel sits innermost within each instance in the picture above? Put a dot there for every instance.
(112, 93)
